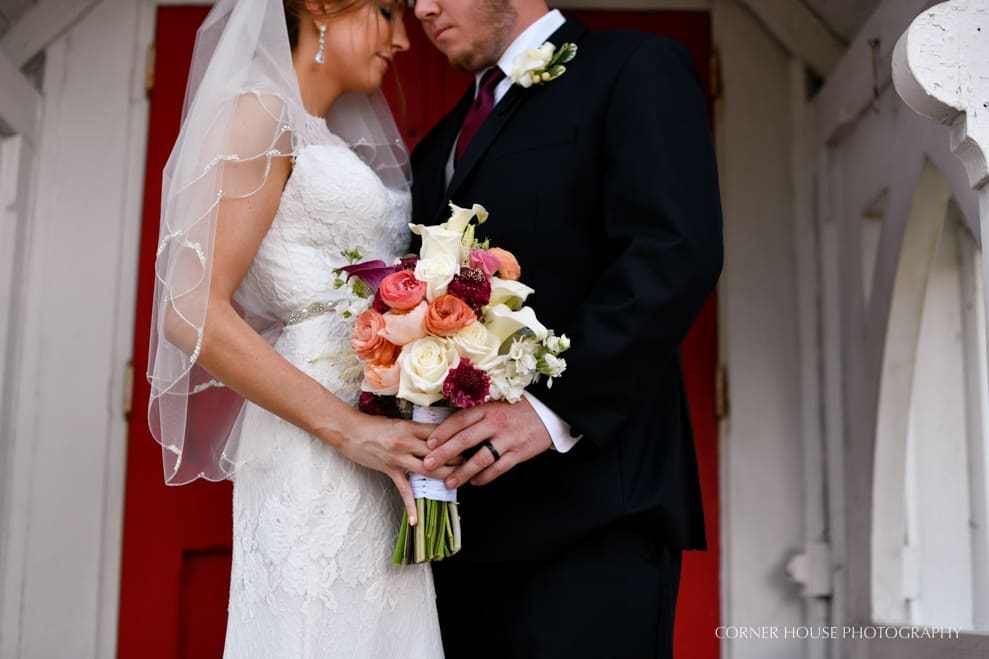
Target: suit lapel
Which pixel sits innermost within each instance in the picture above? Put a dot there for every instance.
(433, 183)
(570, 31)
(497, 120)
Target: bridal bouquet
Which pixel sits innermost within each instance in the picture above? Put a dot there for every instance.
(443, 330)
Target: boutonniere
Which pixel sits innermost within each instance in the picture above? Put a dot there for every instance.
(540, 65)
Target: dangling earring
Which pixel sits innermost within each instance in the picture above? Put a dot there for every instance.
(322, 42)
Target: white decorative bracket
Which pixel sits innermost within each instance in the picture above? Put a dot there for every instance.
(941, 70)
(811, 568)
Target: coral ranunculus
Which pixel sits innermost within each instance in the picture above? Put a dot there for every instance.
(386, 354)
(402, 290)
(365, 340)
(510, 268)
(447, 315)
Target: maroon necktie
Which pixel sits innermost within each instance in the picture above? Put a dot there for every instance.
(479, 110)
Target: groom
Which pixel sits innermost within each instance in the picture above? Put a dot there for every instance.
(603, 183)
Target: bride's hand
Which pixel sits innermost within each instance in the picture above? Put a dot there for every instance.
(393, 447)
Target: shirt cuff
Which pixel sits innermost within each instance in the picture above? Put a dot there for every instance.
(559, 430)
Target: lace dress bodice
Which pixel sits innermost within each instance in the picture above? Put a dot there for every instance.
(313, 531)
(332, 202)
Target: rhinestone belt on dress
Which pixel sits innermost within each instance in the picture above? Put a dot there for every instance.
(314, 309)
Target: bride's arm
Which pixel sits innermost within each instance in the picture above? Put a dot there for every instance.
(245, 362)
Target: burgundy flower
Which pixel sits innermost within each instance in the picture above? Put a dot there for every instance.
(472, 287)
(408, 262)
(376, 405)
(370, 272)
(379, 304)
(466, 386)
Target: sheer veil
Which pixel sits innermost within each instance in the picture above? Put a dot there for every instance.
(242, 108)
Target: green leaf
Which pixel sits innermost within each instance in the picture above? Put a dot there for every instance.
(567, 52)
(557, 71)
(361, 289)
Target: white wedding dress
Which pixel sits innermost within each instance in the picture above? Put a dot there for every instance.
(314, 532)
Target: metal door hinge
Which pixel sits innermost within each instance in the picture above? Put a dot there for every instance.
(721, 392)
(128, 399)
(149, 71)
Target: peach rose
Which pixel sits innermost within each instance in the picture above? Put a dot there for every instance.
(381, 380)
(447, 315)
(365, 340)
(402, 327)
(402, 290)
(510, 268)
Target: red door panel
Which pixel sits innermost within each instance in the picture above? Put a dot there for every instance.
(176, 550)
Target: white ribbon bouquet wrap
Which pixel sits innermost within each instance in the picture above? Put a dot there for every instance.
(444, 330)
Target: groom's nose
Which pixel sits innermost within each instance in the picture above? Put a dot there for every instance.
(426, 9)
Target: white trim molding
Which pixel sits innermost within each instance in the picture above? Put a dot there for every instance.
(40, 26)
(800, 31)
(20, 102)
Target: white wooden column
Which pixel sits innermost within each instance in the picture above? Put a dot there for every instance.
(20, 112)
(941, 70)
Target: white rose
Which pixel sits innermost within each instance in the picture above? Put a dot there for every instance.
(424, 365)
(478, 345)
(510, 293)
(523, 79)
(526, 63)
(437, 272)
(438, 242)
(503, 322)
(546, 52)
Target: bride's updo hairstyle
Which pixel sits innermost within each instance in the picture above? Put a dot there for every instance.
(296, 8)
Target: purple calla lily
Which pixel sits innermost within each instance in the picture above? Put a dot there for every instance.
(370, 272)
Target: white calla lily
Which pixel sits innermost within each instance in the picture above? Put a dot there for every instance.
(503, 322)
(509, 293)
(461, 217)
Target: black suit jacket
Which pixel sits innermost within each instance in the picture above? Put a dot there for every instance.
(603, 183)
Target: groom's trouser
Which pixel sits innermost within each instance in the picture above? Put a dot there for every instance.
(612, 594)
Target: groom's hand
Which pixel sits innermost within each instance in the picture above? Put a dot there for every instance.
(516, 434)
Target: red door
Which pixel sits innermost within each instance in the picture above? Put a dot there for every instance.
(176, 548)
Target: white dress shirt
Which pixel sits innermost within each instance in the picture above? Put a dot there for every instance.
(533, 37)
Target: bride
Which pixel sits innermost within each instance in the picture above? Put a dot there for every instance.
(287, 156)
